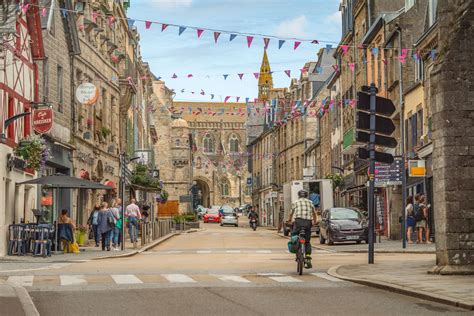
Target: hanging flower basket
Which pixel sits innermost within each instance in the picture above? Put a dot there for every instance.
(162, 197)
(34, 151)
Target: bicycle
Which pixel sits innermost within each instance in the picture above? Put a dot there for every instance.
(301, 253)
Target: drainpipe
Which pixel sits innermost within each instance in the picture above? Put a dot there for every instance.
(402, 143)
(369, 14)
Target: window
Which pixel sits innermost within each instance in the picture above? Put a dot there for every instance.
(208, 144)
(177, 143)
(59, 85)
(234, 143)
(420, 125)
(432, 12)
(225, 187)
(409, 4)
(419, 69)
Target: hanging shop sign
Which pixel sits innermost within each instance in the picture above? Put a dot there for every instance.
(87, 93)
(42, 120)
(416, 168)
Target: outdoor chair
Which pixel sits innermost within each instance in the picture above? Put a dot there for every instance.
(42, 243)
(16, 241)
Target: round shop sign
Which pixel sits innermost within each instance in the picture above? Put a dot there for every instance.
(42, 120)
(87, 93)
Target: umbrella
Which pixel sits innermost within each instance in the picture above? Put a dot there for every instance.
(61, 181)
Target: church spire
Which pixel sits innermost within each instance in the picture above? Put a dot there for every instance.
(265, 80)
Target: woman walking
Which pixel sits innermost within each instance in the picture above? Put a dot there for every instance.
(115, 232)
(105, 225)
(92, 221)
(410, 219)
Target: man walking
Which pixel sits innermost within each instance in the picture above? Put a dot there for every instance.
(132, 215)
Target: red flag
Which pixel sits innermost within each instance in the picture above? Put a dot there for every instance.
(163, 27)
(199, 32)
(216, 36)
(344, 48)
(190, 75)
(240, 76)
(147, 24)
(296, 45)
(226, 99)
(249, 40)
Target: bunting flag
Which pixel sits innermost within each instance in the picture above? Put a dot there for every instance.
(288, 72)
(94, 16)
(247, 101)
(212, 96)
(433, 54)
(384, 61)
(344, 48)
(174, 76)
(190, 75)
(130, 21)
(249, 41)
(237, 100)
(328, 48)
(199, 32)
(319, 70)
(225, 76)
(147, 24)
(280, 43)
(232, 36)
(266, 41)
(202, 92)
(256, 74)
(25, 8)
(43, 12)
(163, 27)
(303, 70)
(314, 42)
(352, 66)
(216, 36)
(182, 90)
(226, 99)
(111, 20)
(240, 76)
(375, 51)
(181, 30)
(296, 45)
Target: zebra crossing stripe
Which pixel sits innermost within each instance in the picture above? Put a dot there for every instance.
(126, 279)
(173, 251)
(233, 278)
(263, 251)
(285, 279)
(233, 251)
(178, 278)
(326, 277)
(72, 280)
(203, 251)
(21, 280)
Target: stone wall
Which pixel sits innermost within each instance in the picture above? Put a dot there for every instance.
(452, 101)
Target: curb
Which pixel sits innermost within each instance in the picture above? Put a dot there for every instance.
(25, 299)
(401, 290)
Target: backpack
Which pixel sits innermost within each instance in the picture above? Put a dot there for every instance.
(293, 244)
(417, 212)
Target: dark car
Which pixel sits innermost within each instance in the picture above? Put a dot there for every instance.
(340, 224)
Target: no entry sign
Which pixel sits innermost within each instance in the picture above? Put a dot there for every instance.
(42, 120)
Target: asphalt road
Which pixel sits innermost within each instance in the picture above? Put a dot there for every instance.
(220, 270)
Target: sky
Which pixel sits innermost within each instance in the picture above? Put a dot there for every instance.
(168, 54)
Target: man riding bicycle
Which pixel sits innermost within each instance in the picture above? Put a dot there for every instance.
(303, 216)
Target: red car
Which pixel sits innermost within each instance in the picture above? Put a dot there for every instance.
(212, 216)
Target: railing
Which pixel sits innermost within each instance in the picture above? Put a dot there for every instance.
(163, 227)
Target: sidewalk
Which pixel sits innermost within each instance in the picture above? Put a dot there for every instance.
(385, 246)
(410, 277)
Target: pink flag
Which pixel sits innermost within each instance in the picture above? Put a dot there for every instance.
(404, 52)
(296, 45)
(25, 7)
(384, 61)
(266, 41)
(237, 100)
(303, 70)
(190, 75)
(249, 41)
(163, 27)
(288, 72)
(147, 24)
(111, 21)
(199, 32)
(94, 16)
(226, 99)
(344, 48)
(81, 27)
(352, 66)
(240, 76)
(43, 12)
(216, 36)
(256, 74)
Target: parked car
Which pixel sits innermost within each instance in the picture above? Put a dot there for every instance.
(229, 216)
(339, 224)
(212, 216)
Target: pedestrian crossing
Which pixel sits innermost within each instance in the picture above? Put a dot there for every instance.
(82, 280)
(225, 251)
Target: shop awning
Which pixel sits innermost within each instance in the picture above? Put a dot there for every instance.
(61, 181)
(111, 184)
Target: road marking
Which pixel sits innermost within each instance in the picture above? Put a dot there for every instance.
(327, 277)
(203, 251)
(233, 278)
(21, 280)
(173, 251)
(263, 251)
(285, 279)
(233, 251)
(72, 279)
(269, 274)
(178, 278)
(126, 279)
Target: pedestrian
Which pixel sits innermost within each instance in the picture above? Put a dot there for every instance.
(427, 217)
(115, 232)
(420, 219)
(281, 215)
(132, 216)
(410, 219)
(119, 224)
(92, 222)
(423, 223)
(105, 225)
(66, 227)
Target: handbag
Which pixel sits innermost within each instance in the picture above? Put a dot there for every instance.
(111, 219)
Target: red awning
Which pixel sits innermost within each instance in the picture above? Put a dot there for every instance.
(111, 184)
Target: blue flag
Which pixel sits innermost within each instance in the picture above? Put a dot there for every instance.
(181, 30)
(280, 43)
(232, 36)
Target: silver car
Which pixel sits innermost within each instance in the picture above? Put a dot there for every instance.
(228, 216)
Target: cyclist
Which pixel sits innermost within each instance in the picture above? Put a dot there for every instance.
(303, 216)
(252, 214)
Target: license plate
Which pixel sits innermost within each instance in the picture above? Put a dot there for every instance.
(352, 237)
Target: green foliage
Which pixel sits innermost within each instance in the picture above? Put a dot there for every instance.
(105, 131)
(189, 217)
(33, 150)
(337, 180)
(141, 176)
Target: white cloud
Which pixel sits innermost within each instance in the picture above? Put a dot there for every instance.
(296, 27)
(171, 4)
(334, 18)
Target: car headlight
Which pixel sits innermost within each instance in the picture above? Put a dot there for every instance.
(334, 226)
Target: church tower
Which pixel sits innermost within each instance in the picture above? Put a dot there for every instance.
(265, 80)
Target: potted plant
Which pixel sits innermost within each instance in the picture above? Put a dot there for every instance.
(34, 151)
(81, 234)
(162, 197)
(105, 132)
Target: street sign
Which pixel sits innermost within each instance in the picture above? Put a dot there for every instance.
(42, 120)
(389, 174)
(380, 140)
(383, 125)
(87, 93)
(249, 181)
(185, 198)
(380, 157)
(384, 106)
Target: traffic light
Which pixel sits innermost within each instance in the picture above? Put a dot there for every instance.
(381, 128)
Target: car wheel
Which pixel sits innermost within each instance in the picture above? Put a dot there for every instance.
(322, 240)
(330, 241)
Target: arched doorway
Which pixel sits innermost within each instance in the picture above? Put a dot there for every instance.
(204, 193)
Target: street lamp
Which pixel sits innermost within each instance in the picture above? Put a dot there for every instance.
(9, 121)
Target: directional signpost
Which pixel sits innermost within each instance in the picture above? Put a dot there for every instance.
(374, 127)
(386, 175)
